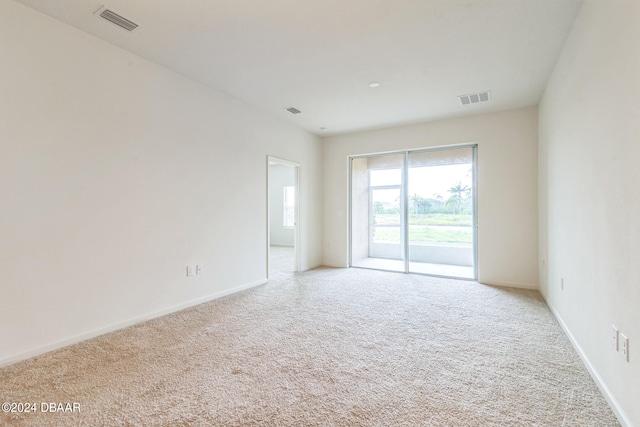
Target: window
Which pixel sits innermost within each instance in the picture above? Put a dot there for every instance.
(289, 207)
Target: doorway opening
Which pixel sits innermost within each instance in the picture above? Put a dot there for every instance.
(415, 212)
(282, 216)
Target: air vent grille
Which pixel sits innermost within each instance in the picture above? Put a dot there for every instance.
(293, 110)
(474, 98)
(119, 20)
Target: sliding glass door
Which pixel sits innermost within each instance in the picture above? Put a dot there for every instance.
(414, 211)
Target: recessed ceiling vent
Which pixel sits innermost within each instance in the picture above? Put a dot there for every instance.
(474, 98)
(119, 20)
(293, 110)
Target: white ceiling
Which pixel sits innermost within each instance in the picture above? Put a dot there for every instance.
(319, 56)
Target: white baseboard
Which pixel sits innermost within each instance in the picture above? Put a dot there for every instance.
(613, 402)
(532, 287)
(121, 325)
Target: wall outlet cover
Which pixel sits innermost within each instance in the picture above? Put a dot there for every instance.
(624, 346)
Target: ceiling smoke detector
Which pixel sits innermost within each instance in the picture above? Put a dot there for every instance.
(114, 18)
(293, 110)
(474, 98)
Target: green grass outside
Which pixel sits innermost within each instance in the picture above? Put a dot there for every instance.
(427, 219)
(424, 234)
(427, 228)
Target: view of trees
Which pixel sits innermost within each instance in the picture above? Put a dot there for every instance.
(433, 219)
(460, 197)
(458, 202)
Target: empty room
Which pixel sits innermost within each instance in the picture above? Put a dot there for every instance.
(304, 213)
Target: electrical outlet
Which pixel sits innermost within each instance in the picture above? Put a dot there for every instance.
(624, 345)
(189, 270)
(198, 269)
(614, 337)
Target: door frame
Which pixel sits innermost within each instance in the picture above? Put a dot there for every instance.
(296, 207)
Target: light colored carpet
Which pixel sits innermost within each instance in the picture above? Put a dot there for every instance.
(329, 347)
(281, 261)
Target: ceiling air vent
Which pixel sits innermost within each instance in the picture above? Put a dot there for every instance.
(474, 98)
(119, 20)
(293, 110)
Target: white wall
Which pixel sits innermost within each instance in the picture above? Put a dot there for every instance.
(115, 174)
(507, 187)
(280, 176)
(589, 195)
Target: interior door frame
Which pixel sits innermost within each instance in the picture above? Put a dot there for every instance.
(296, 207)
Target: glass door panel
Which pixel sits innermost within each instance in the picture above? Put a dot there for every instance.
(440, 212)
(376, 212)
(385, 240)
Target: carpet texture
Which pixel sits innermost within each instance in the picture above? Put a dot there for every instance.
(329, 347)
